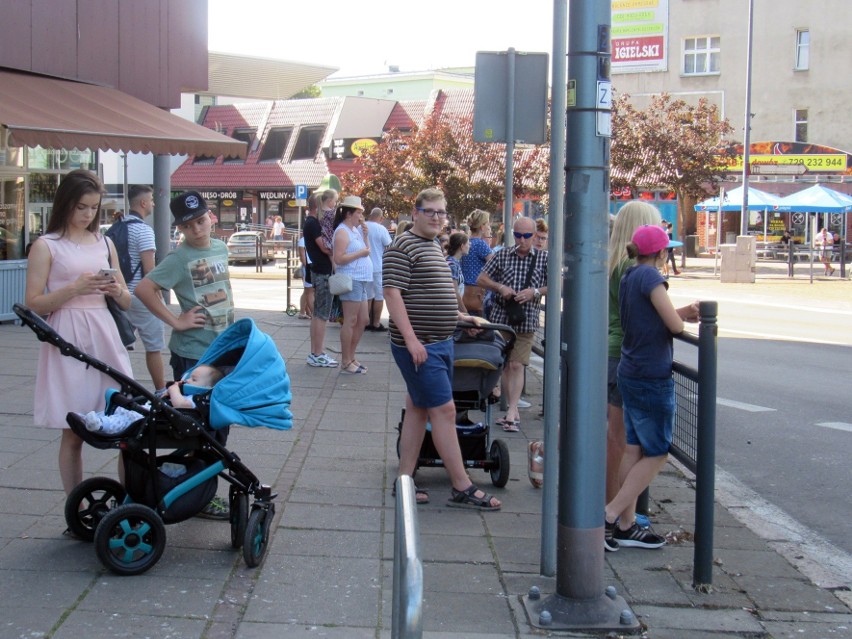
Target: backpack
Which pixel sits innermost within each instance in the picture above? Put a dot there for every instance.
(118, 234)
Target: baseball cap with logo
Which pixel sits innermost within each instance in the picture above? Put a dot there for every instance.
(650, 239)
(187, 206)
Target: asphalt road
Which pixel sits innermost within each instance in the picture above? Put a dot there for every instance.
(784, 424)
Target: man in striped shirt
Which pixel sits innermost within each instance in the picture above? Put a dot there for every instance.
(424, 311)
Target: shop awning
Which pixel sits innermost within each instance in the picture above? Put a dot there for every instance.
(60, 114)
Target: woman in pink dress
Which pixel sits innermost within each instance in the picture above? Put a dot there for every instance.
(63, 283)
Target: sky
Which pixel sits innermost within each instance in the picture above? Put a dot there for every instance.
(366, 37)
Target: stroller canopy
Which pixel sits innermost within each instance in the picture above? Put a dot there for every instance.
(257, 391)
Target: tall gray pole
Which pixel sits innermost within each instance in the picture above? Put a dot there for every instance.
(509, 197)
(747, 132)
(162, 214)
(553, 308)
(581, 603)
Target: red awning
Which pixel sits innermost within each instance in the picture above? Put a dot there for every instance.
(61, 114)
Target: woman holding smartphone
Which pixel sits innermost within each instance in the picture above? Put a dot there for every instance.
(65, 283)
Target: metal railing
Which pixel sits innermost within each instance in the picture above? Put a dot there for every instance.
(407, 607)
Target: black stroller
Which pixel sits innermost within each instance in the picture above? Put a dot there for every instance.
(127, 523)
(477, 365)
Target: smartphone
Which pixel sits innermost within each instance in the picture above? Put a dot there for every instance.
(107, 272)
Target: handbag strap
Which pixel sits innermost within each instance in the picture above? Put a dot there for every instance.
(109, 257)
(533, 260)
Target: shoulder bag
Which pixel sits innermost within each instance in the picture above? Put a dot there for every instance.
(515, 312)
(125, 328)
(339, 283)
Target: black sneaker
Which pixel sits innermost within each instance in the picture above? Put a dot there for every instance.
(637, 537)
(610, 543)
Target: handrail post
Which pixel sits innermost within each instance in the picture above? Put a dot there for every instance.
(407, 606)
(289, 276)
(705, 475)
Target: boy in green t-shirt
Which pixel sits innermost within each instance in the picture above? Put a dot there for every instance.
(197, 272)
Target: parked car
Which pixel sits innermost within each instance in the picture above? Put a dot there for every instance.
(242, 247)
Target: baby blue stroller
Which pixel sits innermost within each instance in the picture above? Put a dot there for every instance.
(127, 523)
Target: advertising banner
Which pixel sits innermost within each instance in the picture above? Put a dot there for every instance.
(640, 33)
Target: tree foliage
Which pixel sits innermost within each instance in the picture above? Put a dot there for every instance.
(442, 153)
(672, 144)
(312, 91)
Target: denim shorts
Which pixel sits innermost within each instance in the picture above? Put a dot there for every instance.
(358, 292)
(613, 395)
(649, 409)
(431, 384)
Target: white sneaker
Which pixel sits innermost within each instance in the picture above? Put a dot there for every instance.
(522, 403)
(322, 360)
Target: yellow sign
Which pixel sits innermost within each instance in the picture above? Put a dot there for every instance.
(817, 162)
(359, 147)
(571, 100)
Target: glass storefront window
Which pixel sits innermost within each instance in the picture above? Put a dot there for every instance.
(12, 218)
(59, 159)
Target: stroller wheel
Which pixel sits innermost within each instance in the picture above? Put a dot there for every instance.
(239, 516)
(130, 539)
(499, 457)
(292, 310)
(89, 502)
(257, 535)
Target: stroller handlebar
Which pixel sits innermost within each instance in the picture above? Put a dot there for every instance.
(485, 325)
(45, 333)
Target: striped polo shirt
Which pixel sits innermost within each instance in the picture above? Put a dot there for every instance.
(417, 267)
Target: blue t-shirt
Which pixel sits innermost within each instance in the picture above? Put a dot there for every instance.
(473, 262)
(456, 272)
(646, 351)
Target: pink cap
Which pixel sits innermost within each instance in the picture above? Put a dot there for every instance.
(650, 239)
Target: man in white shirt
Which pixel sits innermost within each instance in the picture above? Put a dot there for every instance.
(379, 238)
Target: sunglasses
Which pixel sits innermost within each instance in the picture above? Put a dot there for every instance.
(432, 212)
(518, 236)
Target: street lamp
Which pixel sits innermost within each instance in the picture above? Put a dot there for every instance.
(747, 133)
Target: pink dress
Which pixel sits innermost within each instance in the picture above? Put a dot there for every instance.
(64, 384)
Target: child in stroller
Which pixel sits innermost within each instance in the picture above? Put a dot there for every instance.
(127, 521)
(201, 379)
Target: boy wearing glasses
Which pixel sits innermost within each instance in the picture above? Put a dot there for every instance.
(518, 273)
(424, 311)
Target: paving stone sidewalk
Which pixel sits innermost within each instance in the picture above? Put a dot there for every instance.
(328, 572)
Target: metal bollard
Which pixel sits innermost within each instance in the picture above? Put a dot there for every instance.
(407, 607)
(705, 473)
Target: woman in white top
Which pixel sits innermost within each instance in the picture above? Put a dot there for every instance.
(352, 257)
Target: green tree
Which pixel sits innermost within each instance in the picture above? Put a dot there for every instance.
(672, 144)
(442, 153)
(312, 91)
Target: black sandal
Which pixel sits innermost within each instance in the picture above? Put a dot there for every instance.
(417, 492)
(468, 499)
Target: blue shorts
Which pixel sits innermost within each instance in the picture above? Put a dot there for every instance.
(649, 409)
(431, 384)
(358, 292)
